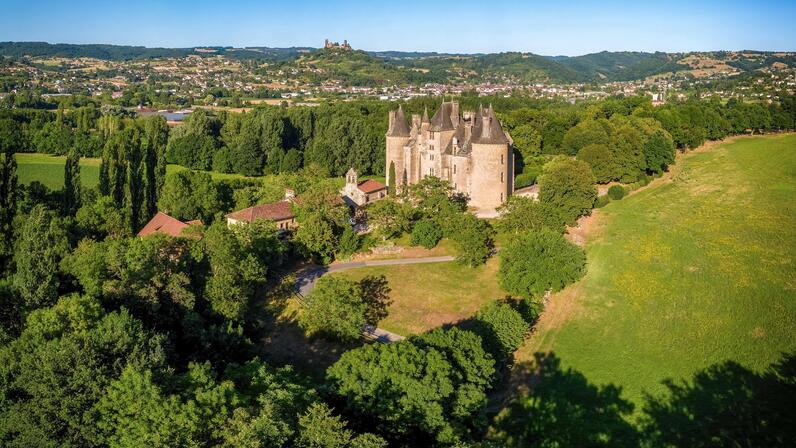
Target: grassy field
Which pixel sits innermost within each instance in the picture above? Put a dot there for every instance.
(687, 273)
(49, 170)
(426, 296)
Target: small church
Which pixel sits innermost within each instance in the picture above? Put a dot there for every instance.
(359, 194)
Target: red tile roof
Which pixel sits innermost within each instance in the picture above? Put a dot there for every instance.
(370, 186)
(275, 211)
(163, 223)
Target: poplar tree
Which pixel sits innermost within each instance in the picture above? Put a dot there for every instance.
(153, 143)
(71, 192)
(10, 138)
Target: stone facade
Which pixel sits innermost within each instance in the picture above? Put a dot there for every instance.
(470, 150)
(359, 194)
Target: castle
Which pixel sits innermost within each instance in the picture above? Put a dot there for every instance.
(469, 150)
(328, 44)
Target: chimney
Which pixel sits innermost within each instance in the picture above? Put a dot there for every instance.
(416, 121)
(289, 194)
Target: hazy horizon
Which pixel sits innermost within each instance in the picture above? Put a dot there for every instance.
(478, 27)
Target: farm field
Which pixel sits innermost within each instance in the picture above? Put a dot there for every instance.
(426, 296)
(49, 170)
(690, 272)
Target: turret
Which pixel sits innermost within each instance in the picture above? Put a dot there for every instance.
(397, 137)
(492, 173)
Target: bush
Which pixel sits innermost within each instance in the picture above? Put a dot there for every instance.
(334, 308)
(349, 242)
(524, 180)
(502, 329)
(426, 233)
(616, 192)
(473, 239)
(568, 185)
(539, 261)
(602, 201)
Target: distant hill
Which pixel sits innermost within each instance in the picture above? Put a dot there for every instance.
(127, 52)
(355, 67)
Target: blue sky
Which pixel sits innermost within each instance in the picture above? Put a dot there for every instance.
(549, 28)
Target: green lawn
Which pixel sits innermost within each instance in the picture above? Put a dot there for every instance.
(49, 170)
(686, 273)
(426, 296)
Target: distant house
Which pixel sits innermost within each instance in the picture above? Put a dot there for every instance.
(358, 194)
(163, 223)
(281, 213)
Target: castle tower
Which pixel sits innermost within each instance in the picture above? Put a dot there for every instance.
(492, 163)
(397, 138)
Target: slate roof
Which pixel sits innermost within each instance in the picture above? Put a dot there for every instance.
(441, 121)
(398, 126)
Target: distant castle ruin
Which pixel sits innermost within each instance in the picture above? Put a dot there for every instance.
(470, 150)
(329, 44)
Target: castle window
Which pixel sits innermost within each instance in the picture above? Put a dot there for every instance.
(501, 197)
(501, 159)
(501, 177)
(454, 169)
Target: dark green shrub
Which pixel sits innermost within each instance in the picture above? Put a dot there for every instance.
(426, 233)
(349, 242)
(539, 261)
(616, 192)
(602, 201)
(524, 180)
(502, 329)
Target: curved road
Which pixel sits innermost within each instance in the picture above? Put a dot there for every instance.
(308, 276)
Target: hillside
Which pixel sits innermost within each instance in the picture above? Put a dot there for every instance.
(360, 68)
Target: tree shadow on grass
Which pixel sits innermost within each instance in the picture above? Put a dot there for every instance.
(726, 405)
(723, 405)
(559, 407)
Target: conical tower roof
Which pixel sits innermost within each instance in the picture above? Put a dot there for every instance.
(398, 126)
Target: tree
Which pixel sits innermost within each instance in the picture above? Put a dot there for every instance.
(349, 242)
(190, 195)
(153, 142)
(539, 261)
(601, 161)
(71, 192)
(102, 218)
(568, 185)
(10, 141)
(659, 151)
(335, 308)
(135, 185)
(473, 238)
(587, 132)
(521, 214)
(42, 243)
(58, 369)
(627, 145)
(426, 233)
(319, 428)
(291, 162)
(502, 328)
(424, 390)
(317, 238)
(390, 217)
(235, 272)
(527, 141)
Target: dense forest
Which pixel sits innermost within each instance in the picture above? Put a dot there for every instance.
(108, 339)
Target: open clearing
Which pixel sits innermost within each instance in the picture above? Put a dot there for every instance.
(426, 296)
(49, 170)
(687, 273)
